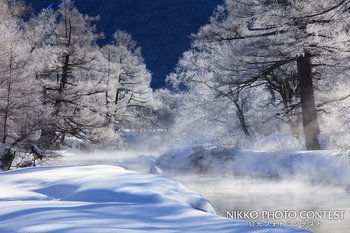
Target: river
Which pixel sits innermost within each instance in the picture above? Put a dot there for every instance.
(258, 195)
(243, 194)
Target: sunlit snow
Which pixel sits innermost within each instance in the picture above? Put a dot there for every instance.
(105, 199)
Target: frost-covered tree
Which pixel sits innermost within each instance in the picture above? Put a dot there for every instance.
(67, 82)
(126, 82)
(168, 103)
(56, 80)
(92, 91)
(260, 39)
(227, 113)
(20, 105)
(21, 111)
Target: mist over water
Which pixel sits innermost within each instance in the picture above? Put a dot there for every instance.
(248, 194)
(135, 160)
(229, 193)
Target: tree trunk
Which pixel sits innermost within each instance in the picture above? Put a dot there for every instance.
(6, 158)
(7, 109)
(47, 137)
(307, 99)
(242, 122)
(240, 115)
(8, 96)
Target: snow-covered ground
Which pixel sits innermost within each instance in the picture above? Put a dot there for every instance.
(110, 199)
(105, 199)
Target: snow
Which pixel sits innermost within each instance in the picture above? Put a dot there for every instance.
(37, 151)
(102, 199)
(76, 144)
(128, 159)
(316, 166)
(155, 169)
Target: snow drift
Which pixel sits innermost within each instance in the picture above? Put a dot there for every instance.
(105, 199)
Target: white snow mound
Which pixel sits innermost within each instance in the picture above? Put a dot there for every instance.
(105, 199)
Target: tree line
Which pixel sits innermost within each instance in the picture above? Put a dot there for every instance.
(55, 80)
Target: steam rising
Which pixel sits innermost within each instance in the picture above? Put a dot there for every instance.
(305, 187)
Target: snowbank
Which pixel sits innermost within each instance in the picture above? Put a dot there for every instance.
(105, 199)
(318, 166)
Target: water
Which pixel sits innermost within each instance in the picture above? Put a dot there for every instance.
(247, 194)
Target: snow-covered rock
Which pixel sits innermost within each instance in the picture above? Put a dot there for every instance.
(106, 199)
(78, 144)
(37, 151)
(318, 166)
(155, 170)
